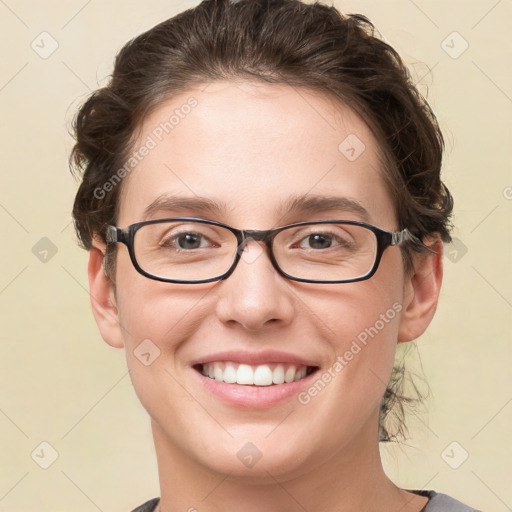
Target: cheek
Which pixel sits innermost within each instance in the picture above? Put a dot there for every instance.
(368, 353)
(364, 342)
(150, 309)
(372, 327)
(362, 321)
(345, 397)
(156, 320)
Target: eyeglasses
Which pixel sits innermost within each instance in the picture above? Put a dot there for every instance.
(190, 250)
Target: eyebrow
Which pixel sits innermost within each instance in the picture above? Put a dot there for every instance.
(198, 204)
(295, 205)
(311, 203)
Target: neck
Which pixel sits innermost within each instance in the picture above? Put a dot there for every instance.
(350, 480)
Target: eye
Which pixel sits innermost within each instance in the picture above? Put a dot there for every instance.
(324, 240)
(187, 240)
(318, 241)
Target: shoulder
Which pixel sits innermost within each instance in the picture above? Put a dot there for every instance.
(149, 506)
(439, 502)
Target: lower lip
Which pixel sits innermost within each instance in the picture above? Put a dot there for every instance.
(254, 397)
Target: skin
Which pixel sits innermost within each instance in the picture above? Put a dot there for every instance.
(253, 146)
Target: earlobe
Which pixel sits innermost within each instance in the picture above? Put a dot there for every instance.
(103, 302)
(421, 292)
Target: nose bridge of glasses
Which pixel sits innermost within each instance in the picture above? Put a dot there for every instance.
(256, 235)
(249, 235)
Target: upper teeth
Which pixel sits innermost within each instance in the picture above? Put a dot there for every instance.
(260, 375)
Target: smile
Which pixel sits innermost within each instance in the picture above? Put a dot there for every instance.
(254, 375)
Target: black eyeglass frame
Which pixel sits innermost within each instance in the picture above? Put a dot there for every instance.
(384, 238)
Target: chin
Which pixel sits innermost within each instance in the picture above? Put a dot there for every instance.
(257, 458)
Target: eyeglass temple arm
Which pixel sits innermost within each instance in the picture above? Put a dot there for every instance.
(404, 235)
(112, 235)
(401, 236)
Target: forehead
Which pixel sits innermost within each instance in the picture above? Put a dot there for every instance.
(253, 149)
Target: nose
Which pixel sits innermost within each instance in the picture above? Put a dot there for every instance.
(255, 295)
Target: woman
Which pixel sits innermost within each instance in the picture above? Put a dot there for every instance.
(262, 203)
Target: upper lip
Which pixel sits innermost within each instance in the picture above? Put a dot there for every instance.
(255, 358)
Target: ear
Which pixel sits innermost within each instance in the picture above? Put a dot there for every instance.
(421, 291)
(102, 295)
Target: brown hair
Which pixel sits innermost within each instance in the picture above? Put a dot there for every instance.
(274, 41)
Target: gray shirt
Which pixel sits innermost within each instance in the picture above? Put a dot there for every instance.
(443, 503)
(437, 503)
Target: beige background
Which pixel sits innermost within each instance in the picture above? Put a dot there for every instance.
(62, 385)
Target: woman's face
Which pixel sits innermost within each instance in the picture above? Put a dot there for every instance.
(252, 149)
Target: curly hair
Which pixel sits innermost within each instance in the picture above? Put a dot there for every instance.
(273, 41)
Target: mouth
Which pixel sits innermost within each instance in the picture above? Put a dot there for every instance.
(254, 380)
(261, 375)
